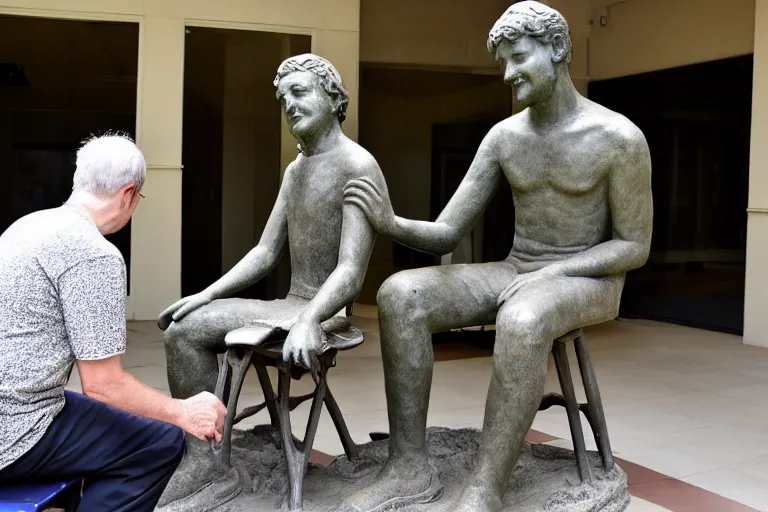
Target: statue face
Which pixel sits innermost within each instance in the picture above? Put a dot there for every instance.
(528, 68)
(306, 104)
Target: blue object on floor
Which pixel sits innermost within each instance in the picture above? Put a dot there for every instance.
(37, 497)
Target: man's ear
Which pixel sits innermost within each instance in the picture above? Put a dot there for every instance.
(126, 194)
(559, 48)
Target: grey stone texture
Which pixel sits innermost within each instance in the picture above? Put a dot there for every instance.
(544, 480)
(580, 176)
(330, 245)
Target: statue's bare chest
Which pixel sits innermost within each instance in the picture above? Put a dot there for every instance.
(570, 164)
(316, 195)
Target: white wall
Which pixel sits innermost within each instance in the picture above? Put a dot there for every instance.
(756, 293)
(648, 35)
(450, 33)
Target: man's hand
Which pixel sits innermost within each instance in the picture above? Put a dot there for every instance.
(182, 308)
(523, 280)
(304, 341)
(203, 416)
(377, 207)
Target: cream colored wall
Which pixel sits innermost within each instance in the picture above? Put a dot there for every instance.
(448, 33)
(756, 293)
(647, 35)
(156, 234)
(452, 34)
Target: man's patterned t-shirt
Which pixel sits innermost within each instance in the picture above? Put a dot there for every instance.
(62, 299)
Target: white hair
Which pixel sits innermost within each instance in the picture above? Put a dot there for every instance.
(107, 163)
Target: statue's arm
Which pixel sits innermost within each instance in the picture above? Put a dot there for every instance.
(344, 284)
(264, 256)
(460, 214)
(631, 207)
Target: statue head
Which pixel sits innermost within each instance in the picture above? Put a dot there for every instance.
(531, 43)
(310, 90)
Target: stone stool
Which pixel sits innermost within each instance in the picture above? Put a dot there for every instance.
(262, 346)
(593, 409)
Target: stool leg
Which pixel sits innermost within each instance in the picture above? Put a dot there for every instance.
(221, 381)
(314, 419)
(286, 435)
(350, 448)
(239, 360)
(266, 387)
(572, 408)
(595, 403)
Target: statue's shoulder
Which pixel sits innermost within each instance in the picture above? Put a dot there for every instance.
(616, 128)
(359, 161)
(508, 130)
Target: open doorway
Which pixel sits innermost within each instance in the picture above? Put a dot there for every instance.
(231, 151)
(423, 126)
(61, 81)
(697, 122)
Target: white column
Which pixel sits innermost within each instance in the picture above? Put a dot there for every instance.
(156, 227)
(756, 293)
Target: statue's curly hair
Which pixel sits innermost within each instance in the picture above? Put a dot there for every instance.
(329, 77)
(533, 19)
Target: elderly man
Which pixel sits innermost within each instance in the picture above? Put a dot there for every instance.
(330, 245)
(62, 294)
(581, 183)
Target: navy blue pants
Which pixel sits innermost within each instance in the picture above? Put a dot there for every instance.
(126, 460)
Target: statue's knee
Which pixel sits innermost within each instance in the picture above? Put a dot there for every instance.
(400, 294)
(520, 327)
(174, 337)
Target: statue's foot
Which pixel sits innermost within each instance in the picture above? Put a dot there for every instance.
(478, 498)
(398, 484)
(199, 478)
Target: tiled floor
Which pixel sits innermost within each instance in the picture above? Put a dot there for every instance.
(684, 406)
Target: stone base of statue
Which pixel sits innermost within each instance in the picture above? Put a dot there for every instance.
(545, 479)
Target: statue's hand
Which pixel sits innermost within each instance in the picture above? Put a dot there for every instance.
(182, 308)
(523, 280)
(376, 206)
(304, 341)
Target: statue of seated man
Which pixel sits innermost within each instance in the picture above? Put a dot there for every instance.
(330, 245)
(580, 176)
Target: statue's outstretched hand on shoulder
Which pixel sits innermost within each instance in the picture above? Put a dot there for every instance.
(376, 206)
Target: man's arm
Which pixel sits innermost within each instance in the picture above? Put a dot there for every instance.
(631, 204)
(460, 214)
(105, 380)
(92, 297)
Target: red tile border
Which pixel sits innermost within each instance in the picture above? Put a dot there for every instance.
(536, 437)
(320, 458)
(637, 474)
(680, 496)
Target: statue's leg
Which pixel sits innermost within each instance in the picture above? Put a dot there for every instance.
(526, 325)
(191, 346)
(412, 305)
